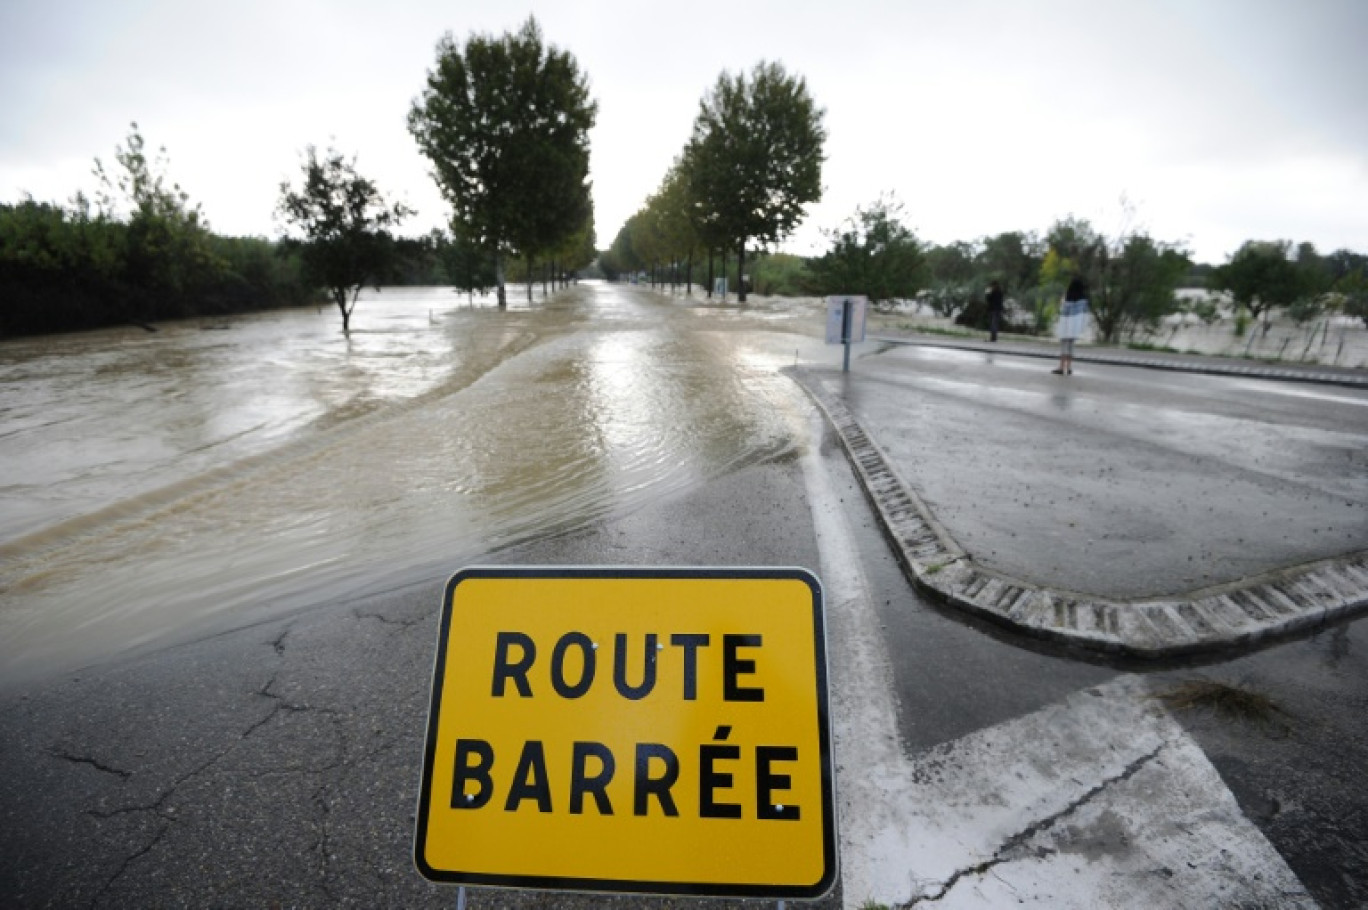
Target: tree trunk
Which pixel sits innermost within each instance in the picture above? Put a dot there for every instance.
(741, 272)
(530, 279)
(710, 273)
(499, 279)
(546, 278)
(340, 298)
(688, 277)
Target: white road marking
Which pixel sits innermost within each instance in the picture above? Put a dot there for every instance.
(1099, 800)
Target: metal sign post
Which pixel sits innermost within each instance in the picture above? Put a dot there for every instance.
(846, 323)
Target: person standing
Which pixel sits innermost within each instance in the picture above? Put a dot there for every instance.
(994, 298)
(1073, 318)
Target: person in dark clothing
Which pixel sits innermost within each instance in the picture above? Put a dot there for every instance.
(994, 299)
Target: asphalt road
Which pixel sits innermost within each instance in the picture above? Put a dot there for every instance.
(277, 765)
(1118, 481)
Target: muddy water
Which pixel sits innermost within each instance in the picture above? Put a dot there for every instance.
(159, 486)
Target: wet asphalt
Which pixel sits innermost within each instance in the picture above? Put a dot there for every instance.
(1119, 481)
(277, 765)
(1132, 482)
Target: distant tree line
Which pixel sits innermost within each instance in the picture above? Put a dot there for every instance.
(752, 163)
(140, 252)
(1133, 278)
(504, 122)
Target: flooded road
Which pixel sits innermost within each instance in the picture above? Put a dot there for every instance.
(212, 474)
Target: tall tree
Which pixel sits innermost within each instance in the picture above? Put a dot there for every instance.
(1261, 276)
(1012, 258)
(505, 122)
(343, 225)
(1139, 277)
(169, 251)
(754, 159)
(872, 254)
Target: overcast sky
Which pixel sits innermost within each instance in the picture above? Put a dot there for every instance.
(1220, 120)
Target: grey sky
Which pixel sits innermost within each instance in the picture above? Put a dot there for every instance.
(1221, 120)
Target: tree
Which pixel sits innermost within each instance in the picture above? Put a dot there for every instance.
(505, 122)
(872, 254)
(467, 266)
(168, 241)
(1139, 277)
(754, 159)
(1352, 288)
(345, 223)
(578, 251)
(953, 276)
(1260, 276)
(675, 220)
(1013, 259)
(1131, 277)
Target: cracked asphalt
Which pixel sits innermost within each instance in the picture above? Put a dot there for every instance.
(277, 764)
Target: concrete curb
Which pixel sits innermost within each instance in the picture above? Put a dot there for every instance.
(1210, 367)
(1228, 617)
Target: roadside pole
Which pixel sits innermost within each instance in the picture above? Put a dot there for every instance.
(846, 323)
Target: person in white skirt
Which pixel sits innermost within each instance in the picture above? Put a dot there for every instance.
(1073, 319)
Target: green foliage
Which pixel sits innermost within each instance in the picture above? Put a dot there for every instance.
(439, 258)
(342, 225)
(954, 263)
(1260, 276)
(953, 278)
(1352, 290)
(1042, 304)
(168, 240)
(754, 159)
(1304, 309)
(1204, 309)
(505, 122)
(950, 298)
(780, 275)
(144, 254)
(579, 250)
(1131, 277)
(1139, 282)
(872, 254)
(1012, 258)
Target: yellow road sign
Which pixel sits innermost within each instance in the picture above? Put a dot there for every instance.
(640, 730)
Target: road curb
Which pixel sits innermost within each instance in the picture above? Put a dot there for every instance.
(1238, 368)
(1233, 616)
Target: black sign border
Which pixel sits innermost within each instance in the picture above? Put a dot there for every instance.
(830, 860)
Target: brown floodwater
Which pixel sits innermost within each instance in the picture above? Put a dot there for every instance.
(161, 485)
